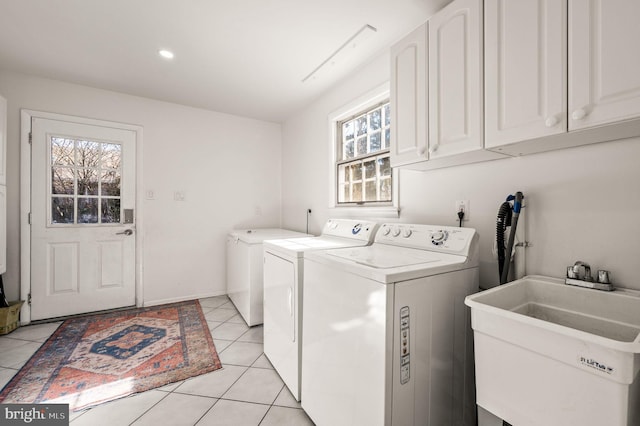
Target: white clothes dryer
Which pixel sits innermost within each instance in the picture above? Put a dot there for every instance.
(244, 269)
(386, 334)
(283, 290)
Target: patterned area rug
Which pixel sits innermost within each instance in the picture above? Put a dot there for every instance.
(94, 359)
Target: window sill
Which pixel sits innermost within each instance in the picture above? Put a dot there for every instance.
(386, 212)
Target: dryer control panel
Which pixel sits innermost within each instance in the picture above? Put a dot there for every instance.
(446, 239)
(362, 230)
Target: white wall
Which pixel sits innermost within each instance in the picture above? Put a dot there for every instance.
(582, 203)
(228, 166)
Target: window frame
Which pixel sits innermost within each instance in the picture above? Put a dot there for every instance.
(355, 108)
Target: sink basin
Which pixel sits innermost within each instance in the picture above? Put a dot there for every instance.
(548, 353)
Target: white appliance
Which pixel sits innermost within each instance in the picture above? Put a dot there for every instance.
(386, 334)
(283, 289)
(244, 269)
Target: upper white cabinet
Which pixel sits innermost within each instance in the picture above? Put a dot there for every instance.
(455, 79)
(409, 98)
(436, 91)
(604, 63)
(525, 70)
(507, 77)
(560, 73)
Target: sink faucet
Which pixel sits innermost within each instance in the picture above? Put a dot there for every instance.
(587, 270)
(573, 277)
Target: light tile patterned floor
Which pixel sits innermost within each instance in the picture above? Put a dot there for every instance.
(247, 391)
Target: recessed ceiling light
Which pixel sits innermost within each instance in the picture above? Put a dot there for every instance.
(166, 54)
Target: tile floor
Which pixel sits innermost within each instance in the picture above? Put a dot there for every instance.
(247, 391)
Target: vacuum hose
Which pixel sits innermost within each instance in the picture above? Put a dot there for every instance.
(503, 220)
(507, 217)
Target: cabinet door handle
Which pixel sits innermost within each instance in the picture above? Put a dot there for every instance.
(420, 151)
(579, 114)
(434, 148)
(551, 121)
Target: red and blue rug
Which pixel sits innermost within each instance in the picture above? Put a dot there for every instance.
(94, 359)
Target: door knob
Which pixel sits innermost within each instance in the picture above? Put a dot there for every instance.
(125, 232)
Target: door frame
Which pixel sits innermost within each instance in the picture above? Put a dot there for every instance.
(25, 200)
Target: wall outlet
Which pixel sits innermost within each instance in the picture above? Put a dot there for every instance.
(179, 196)
(462, 205)
(150, 194)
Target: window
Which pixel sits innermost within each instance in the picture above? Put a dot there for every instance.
(85, 181)
(363, 167)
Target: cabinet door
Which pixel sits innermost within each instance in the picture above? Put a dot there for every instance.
(455, 79)
(525, 70)
(604, 64)
(408, 98)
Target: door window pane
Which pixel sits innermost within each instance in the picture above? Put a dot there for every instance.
(62, 152)
(110, 183)
(111, 154)
(62, 210)
(62, 180)
(87, 210)
(87, 182)
(110, 210)
(88, 154)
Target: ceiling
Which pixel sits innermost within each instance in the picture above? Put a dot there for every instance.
(243, 57)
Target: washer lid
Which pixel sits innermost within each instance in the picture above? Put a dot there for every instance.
(258, 235)
(296, 247)
(377, 256)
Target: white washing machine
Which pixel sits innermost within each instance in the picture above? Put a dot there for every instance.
(283, 289)
(244, 269)
(386, 335)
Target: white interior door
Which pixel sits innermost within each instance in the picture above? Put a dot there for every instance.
(82, 218)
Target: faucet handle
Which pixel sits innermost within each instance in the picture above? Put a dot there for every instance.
(603, 277)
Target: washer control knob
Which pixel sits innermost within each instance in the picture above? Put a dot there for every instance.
(395, 232)
(386, 230)
(439, 237)
(406, 233)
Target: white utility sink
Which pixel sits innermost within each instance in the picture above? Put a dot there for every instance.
(548, 353)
